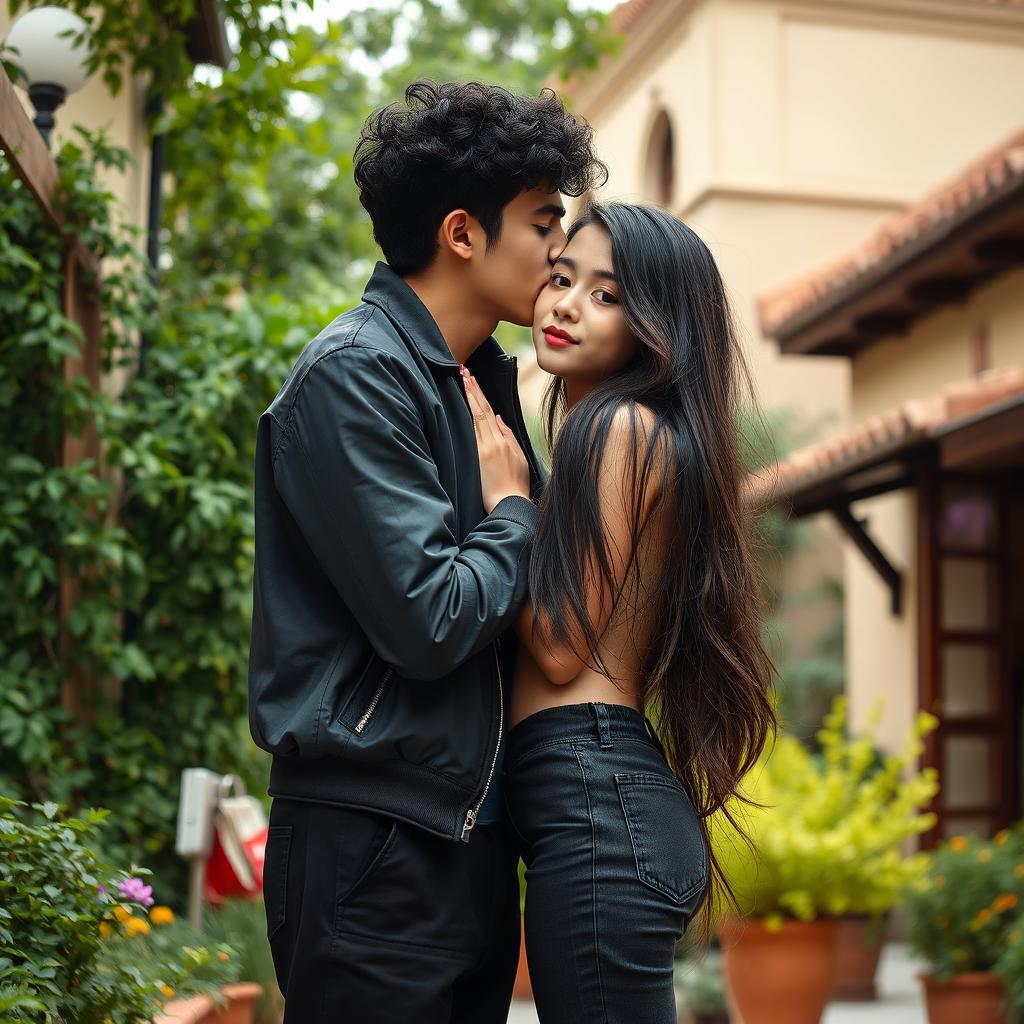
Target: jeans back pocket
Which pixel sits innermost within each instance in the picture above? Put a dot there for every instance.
(665, 834)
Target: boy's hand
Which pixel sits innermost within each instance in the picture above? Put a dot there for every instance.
(503, 466)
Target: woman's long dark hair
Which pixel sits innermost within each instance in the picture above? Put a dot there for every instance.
(706, 677)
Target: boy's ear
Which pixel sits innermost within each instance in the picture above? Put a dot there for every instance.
(458, 232)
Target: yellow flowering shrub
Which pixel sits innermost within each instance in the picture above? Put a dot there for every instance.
(827, 831)
(967, 913)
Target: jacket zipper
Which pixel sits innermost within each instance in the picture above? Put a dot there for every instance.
(362, 723)
(471, 814)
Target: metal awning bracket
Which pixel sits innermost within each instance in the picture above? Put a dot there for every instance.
(891, 576)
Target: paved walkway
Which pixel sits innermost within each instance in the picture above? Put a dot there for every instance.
(900, 999)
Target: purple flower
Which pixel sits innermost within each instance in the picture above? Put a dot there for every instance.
(101, 889)
(134, 889)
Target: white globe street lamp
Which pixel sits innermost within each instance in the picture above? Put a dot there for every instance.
(53, 65)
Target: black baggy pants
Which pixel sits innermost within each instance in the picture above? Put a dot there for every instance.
(374, 920)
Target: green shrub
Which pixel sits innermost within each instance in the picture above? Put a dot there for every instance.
(76, 941)
(829, 831)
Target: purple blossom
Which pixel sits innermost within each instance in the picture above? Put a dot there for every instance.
(134, 889)
(101, 889)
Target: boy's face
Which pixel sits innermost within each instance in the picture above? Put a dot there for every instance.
(510, 274)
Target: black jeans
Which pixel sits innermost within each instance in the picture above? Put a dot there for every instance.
(374, 920)
(616, 863)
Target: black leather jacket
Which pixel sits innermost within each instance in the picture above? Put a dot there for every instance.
(383, 595)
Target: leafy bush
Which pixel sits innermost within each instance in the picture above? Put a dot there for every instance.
(967, 914)
(828, 835)
(76, 942)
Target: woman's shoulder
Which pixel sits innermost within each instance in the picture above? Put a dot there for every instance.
(630, 420)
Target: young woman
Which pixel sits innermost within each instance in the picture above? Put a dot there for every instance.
(643, 598)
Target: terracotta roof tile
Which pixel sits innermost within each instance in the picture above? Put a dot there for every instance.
(917, 419)
(625, 15)
(984, 176)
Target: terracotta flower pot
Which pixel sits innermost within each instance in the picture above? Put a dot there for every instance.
(778, 977)
(975, 997)
(858, 950)
(522, 988)
(240, 1007)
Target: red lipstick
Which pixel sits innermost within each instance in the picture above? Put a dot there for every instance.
(558, 338)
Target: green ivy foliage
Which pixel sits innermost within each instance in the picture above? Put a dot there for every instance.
(161, 534)
(51, 516)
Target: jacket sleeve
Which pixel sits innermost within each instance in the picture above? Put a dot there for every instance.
(358, 477)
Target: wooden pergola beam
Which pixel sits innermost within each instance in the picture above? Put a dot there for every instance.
(27, 154)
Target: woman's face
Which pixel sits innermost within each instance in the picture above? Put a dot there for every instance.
(579, 331)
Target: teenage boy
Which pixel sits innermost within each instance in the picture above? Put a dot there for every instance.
(389, 570)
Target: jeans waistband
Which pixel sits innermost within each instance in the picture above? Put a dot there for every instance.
(605, 723)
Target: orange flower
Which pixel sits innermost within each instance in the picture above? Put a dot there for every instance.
(105, 929)
(161, 915)
(981, 919)
(958, 844)
(136, 926)
(166, 990)
(1001, 836)
(122, 913)
(1004, 901)
(223, 956)
(984, 855)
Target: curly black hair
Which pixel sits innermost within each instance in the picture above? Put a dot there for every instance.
(464, 146)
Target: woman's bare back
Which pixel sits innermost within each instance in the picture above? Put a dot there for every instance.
(621, 649)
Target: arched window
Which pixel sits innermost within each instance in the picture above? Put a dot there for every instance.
(659, 167)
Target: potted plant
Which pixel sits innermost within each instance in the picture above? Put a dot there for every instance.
(967, 916)
(826, 837)
(887, 800)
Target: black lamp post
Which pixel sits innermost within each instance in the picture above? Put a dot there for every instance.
(48, 45)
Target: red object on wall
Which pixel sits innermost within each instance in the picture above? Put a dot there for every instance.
(235, 866)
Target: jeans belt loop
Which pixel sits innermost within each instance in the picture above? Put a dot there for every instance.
(604, 728)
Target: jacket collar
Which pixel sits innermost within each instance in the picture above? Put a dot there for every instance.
(390, 293)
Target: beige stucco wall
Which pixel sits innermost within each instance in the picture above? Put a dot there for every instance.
(882, 650)
(937, 349)
(121, 116)
(798, 127)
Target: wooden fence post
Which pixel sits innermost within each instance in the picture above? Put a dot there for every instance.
(25, 151)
